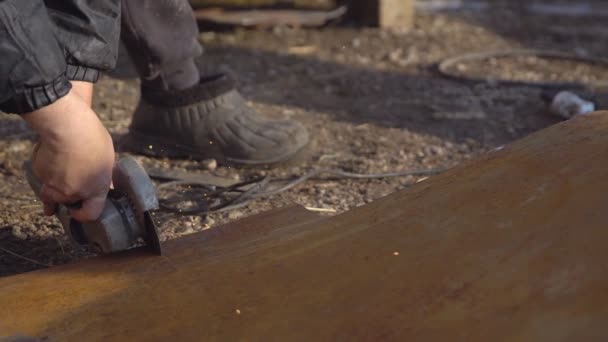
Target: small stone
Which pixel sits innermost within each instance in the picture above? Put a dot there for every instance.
(18, 146)
(18, 233)
(395, 56)
(209, 164)
(288, 112)
(207, 36)
(437, 150)
(188, 230)
(233, 215)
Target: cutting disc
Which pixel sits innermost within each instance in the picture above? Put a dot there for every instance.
(152, 238)
(132, 180)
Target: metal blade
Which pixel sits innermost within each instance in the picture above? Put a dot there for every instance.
(152, 238)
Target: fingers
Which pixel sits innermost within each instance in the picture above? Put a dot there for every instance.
(49, 208)
(50, 198)
(50, 195)
(91, 209)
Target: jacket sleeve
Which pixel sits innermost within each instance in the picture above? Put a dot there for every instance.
(88, 31)
(32, 63)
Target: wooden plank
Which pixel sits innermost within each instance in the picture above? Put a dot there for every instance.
(268, 18)
(511, 246)
(305, 4)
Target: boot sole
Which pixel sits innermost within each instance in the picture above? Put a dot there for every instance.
(154, 147)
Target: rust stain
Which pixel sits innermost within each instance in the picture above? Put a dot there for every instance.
(508, 247)
(60, 293)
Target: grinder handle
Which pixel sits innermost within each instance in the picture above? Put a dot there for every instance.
(36, 185)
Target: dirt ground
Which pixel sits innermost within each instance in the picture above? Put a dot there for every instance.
(372, 99)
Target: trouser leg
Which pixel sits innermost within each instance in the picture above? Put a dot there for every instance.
(161, 36)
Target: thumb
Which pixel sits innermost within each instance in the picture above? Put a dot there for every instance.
(91, 209)
(49, 208)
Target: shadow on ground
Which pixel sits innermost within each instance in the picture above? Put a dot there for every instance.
(33, 254)
(368, 84)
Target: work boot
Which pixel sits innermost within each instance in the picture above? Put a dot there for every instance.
(211, 120)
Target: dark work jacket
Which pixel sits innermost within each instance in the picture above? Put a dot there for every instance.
(45, 44)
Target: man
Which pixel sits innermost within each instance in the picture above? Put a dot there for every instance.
(52, 52)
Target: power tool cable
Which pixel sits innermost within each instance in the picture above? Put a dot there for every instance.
(448, 66)
(261, 187)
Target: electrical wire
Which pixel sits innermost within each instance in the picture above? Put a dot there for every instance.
(447, 66)
(343, 175)
(258, 187)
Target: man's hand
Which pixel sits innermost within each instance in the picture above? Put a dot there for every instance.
(75, 156)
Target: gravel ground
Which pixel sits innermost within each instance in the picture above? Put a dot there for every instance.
(372, 100)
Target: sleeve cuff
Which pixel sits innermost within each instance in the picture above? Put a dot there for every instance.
(33, 98)
(82, 73)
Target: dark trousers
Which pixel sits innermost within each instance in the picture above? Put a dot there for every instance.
(161, 36)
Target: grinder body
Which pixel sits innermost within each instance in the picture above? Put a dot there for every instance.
(126, 219)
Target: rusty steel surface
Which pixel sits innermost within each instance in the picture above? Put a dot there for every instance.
(511, 246)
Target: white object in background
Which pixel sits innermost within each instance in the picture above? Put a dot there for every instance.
(568, 105)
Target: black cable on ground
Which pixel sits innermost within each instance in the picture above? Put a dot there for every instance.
(260, 189)
(343, 175)
(447, 66)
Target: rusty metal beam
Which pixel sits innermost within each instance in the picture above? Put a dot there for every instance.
(511, 246)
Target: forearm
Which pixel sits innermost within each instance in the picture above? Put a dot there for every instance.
(55, 121)
(84, 90)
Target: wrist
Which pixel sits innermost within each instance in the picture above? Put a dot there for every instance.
(60, 118)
